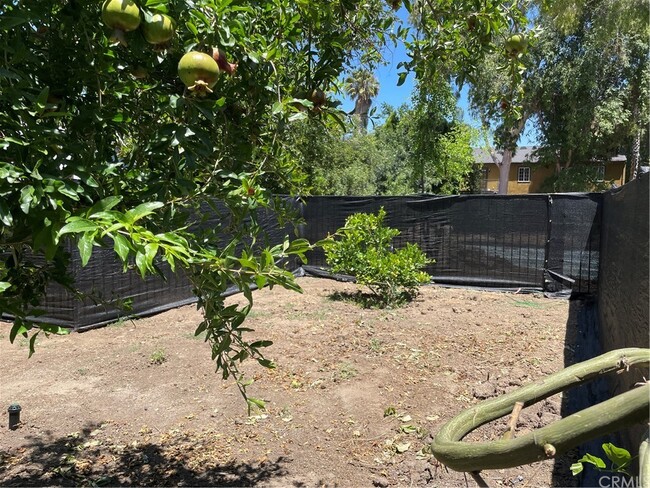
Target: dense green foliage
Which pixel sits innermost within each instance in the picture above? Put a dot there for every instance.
(102, 144)
(363, 248)
(419, 148)
(592, 92)
(337, 161)
(584, 84)
(452, 39)
(437, 144)
(576, 178)
(445, 40)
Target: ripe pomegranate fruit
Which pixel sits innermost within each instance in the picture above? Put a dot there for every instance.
(121, 16)
(199, 72)
(158, 29)
(220, 57)
(515, 45)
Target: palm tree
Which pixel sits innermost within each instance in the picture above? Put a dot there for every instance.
(362, 86)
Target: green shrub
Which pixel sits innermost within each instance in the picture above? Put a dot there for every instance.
(363, 248)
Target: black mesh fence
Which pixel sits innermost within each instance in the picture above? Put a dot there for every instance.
(539, 242)
(543, 242)
(624, 271)
(106, 293)
(574, 243)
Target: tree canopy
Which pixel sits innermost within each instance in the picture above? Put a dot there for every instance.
(592, 95)
(420, 147)
(583, 83)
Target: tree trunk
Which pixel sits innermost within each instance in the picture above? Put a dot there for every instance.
(635, 156)
(504, 171)
(421, 176)
(635, 150)
(361, 108)
(635, 153)
(508, 151)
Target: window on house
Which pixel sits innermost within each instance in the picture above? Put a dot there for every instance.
(600, 175)
(523, 175)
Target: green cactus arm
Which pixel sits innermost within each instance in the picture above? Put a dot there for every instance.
(609, 416)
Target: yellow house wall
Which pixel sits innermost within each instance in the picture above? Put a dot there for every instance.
(492, 177)
(614, 172)
(537, 176)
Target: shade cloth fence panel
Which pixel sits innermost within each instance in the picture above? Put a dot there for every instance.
(538, 242)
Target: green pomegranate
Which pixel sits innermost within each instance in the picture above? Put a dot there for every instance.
(516, 44)
(121, 16)
(158, 29)
(198, 71)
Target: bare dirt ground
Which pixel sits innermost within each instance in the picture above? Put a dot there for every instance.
(139, 403)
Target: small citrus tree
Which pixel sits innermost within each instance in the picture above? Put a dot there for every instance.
(363, 248)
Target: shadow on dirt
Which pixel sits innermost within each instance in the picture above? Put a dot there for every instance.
(365, 300)
(370, 300)
(581, 343)
(90, 458)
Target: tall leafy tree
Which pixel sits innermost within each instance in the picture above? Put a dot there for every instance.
(339, 161)
(432, 134)
(491, 98)
(477, 43)
(593, 93)
(583, 82)
(419, 148)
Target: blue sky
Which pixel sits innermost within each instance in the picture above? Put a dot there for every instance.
(395, 95)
